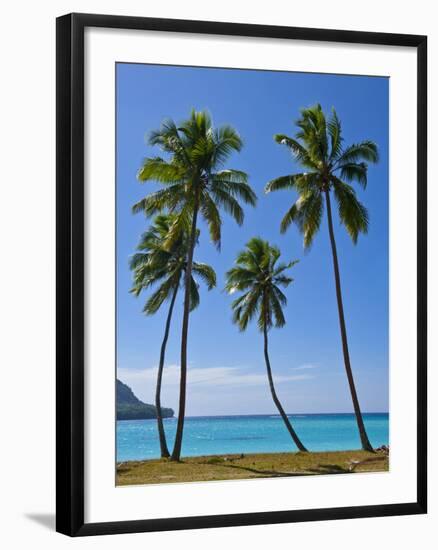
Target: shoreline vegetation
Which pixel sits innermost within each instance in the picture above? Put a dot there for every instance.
(251, 466)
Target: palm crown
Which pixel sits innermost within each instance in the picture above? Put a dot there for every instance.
(318, 147)
(259, 275)
(193, 176)
(155, 263)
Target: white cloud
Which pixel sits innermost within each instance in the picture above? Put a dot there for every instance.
(219, 390)
(305, 367)
(206, 377)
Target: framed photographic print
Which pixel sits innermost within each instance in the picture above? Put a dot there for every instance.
(241, 274)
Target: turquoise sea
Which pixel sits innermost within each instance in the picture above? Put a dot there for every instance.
(209, 435)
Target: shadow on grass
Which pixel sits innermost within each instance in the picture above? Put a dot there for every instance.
(320, 469)
(270, 473)
(337, 469)
(330, 469)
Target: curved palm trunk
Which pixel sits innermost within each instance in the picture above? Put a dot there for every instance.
(292, 432)
(366, 445)
(176, 453)
(163, 444)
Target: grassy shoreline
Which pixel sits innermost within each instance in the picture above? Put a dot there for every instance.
(249, 466)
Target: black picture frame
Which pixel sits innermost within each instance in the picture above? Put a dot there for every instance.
(70, 273)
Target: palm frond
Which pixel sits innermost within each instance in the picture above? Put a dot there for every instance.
(354, 172)
(226, 141)
(255, 255)
(206, 273)
(299, 152)
(138, 259)
(352, 213)
(265, 312)
(246, 309)
(211, 215)
(163, 293)
(335, 132)
(310, 209)
(194, 294)
(313, 131)
(282, 182)
(236, 184)
(168, 138)
(283, 266)
(239, 278)
(157, 169)
(273, 254)
(278, 293)
(283, 280)
(276, 308)
(306, 213)
(228, 203)
(290, 217)
(179, 228)
(154, 203)
(302, 183)
(364, 151)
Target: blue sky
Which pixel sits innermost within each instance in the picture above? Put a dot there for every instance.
(226, 368)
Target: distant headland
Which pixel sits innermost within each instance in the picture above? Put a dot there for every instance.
(129, 407)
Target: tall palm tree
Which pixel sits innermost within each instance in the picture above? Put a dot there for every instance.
(155, 264)
(194, 183)
(330, 168)
(258, 275)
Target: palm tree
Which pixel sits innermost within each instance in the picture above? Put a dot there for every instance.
(330, 167)
(154, 264)
(258, 275)
(194, 183)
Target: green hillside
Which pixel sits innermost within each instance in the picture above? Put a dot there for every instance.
(129, 407)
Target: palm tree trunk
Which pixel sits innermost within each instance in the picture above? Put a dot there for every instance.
(176, 453)
(163, 444)
(366, 445)
(292, 432)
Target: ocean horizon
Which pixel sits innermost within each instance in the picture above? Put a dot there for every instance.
(257, 433)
